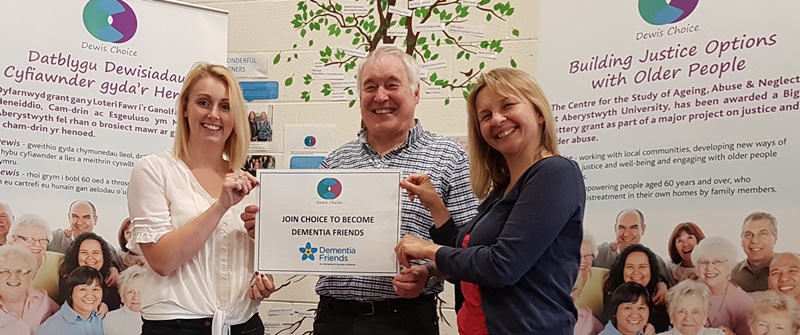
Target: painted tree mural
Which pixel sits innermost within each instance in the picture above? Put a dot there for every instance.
(364, 28)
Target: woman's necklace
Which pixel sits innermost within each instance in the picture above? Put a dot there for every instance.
(711, 322)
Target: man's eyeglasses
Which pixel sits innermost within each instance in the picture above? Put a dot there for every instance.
(31, 240)
(5, 273)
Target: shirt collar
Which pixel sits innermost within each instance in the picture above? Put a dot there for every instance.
(413, 135)
(71, 316)
(746, 264)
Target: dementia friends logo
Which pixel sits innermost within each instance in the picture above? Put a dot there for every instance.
(661, 12)
(308, 251)
(329, 188)
(110, 20)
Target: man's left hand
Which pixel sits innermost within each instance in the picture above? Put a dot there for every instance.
(410, 282)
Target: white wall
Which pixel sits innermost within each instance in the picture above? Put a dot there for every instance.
(264, 26)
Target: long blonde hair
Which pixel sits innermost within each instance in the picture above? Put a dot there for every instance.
(488, 168)
(238, 142)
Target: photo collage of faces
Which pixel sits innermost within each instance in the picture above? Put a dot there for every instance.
(49, 275)
(624, 287)
(262, 153)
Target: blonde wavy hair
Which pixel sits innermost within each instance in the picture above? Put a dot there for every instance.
(488, 167)
(238, 142)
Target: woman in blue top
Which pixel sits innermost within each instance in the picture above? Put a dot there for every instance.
(524, 244)
(630, 306)
(78, 315)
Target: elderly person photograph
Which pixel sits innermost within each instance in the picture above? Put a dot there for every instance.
(774, 314)
(530, 221)
(17, 298)
(630, 307)
(714, 257)
(90, 250)
(587, 324)
(184, 205)
(759, 236)
(128, 257)
(127, 320)
(78, 315)
(682, 241)
(32, 232)
(6, 218)
(591, 294)
(784, 275)
(638, 264)
(688, 304)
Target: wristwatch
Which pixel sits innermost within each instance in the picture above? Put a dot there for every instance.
(431, 278)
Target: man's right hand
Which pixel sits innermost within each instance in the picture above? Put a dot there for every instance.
(249, 218)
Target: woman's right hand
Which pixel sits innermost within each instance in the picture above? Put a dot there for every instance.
(235, 187)
(419, 186)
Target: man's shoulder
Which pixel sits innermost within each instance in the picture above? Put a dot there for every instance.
(428, 138)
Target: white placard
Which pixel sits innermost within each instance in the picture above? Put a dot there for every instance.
(306, 145)
(434, 65)
(344, 84)
(352, 52)
(419, 3)
(397, 31)
(470, 3)
(432, 89)
(327, 73)
(247, 65)
(355, 8)
(466, 29)
(429, 27)
(328, 222)
(400, 11)
(338, 95)
(487, 54)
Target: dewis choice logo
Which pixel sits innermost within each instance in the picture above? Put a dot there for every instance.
(310, 141)
(110, 20)
(329, 188)
(659, 12)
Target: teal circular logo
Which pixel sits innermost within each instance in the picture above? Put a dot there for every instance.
(329, 188)
(659, 12)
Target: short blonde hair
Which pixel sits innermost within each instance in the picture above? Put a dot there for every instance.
(13, 251)
(686, 289)
(488, 168)
(238, 143)
(771, 302)
(131, 278)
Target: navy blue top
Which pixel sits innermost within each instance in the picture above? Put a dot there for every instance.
(524, 251)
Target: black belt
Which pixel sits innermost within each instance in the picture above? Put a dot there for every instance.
(372, 307)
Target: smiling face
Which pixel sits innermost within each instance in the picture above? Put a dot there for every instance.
(713, 271)
(784, 275)
(15, 278)
(509, 124)
(758, 241)
(387, 99)
(637, 268)
(34, 239)
(130, 298)
(5, 222)
(685, 244)
(688, 315)
(629, 229)
(90, 253)
(208, 112)
(86, 298)
(632, 317)
(82, 218)
(773, 323)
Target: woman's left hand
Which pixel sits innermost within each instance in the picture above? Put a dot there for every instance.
(262, 286)
(412, 247)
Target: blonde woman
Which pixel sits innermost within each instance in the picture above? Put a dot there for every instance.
(688, 304)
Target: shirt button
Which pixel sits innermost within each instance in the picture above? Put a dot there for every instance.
(207, 323)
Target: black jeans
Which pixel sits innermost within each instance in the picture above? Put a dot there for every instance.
(254, 326)
(416, 316)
